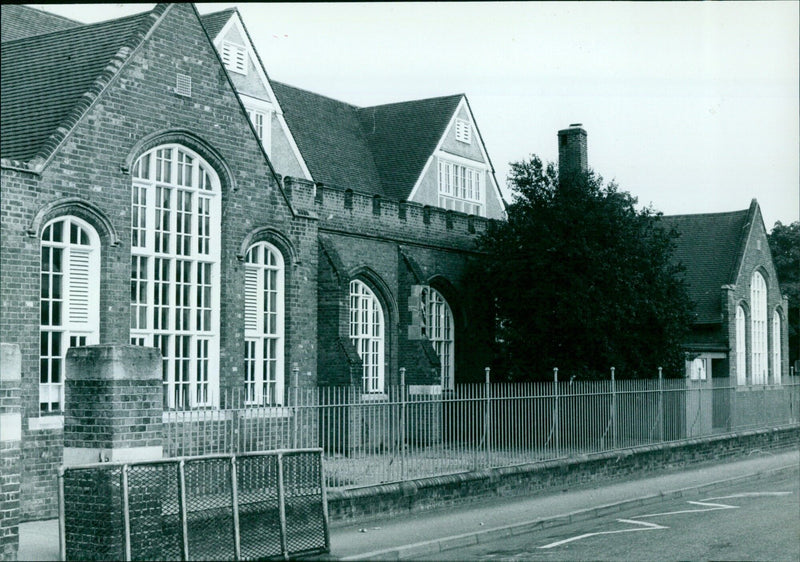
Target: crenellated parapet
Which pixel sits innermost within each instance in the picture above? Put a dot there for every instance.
(345, 210)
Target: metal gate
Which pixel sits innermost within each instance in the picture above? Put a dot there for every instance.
(216, 507)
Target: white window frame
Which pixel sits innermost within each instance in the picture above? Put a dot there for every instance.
(741, 346)
(264, 325)
(262, 123)
(263, 110)
(777, 360)
(463, 131)
(175, 264)
(461, 187)
(758, 329)
(234, 57)
(440, 330)
(367, 331)
(69, 301)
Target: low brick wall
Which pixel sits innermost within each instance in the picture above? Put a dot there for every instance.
(542, 478)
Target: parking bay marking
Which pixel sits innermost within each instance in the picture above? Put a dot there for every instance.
(653, 526)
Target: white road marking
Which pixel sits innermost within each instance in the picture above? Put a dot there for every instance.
(711, 507)
(653, 526)
(750, 495)
(645, 527)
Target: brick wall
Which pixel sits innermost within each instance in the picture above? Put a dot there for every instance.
(91, 169)
(757, 257)
(542, 478)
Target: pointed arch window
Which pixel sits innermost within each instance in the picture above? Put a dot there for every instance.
(175, 254)
(776, 347)
(264, 325)
(69, 302)
(367, 334)
(758, 328)
(741, 346)
(438, 327)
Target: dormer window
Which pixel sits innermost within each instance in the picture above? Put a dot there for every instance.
(262, 123)
(234, 57)
(463, 131)
(460, 188)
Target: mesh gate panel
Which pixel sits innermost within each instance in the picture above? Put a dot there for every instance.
(154, 512)
(305, 522)
(259, 516)
(209, 510)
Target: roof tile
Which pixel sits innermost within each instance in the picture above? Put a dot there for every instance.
(708, 247)
(45, 76)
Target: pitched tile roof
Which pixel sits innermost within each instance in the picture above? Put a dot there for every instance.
(18, 22)
(402, 136)
(710, 248)
(44, 78)
(215, 21)
(329, 136)
(379, 150)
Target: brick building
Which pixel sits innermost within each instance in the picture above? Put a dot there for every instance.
(740, 329)
(156, 191)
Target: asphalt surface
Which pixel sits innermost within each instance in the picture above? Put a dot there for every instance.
(757, 519)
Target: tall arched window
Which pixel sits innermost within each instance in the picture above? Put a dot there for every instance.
(758, 328)
(366, 333)
(741, 346)
(776, 347)
(263, 325)
(69, 301)
(438, 326)
(175, 232)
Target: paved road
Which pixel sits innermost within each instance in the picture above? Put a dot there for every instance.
(758, 520)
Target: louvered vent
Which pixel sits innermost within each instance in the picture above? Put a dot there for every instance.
(234, 57)
(79, 286)
(251, 299)
(463, 131)
(183, 85)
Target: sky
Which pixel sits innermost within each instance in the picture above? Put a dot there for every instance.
(692, 107)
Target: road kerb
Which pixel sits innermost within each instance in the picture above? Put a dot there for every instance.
(483, 536)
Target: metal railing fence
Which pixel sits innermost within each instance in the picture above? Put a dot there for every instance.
(216, 507)
(410, 432)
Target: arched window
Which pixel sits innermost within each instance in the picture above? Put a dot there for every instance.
(263, 325)
(438, 326)
(69, 301)
(366, 333)
(776, 347)
(175, 232)
(741, 346)
(758, 328)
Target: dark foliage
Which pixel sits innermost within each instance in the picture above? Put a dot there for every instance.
(581, 281)
(784, 243)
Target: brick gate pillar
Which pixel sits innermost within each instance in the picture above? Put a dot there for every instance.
(113, 404)
(10, 449)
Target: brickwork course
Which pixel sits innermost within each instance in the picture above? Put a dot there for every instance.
(81, 103)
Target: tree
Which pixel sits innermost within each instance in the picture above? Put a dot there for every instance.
(784, 242)
(581, 280)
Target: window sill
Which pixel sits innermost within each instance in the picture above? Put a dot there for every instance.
(374, 397)
(46, 422)
(247, 413)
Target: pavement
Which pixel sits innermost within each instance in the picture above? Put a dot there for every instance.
(429, 532)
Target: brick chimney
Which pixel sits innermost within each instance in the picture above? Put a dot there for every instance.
(572, 150)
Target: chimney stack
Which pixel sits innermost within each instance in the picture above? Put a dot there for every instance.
(572, 158)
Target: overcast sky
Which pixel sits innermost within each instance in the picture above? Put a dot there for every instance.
(692, 107)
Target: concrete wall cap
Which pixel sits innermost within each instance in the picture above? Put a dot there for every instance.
(114, 362)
